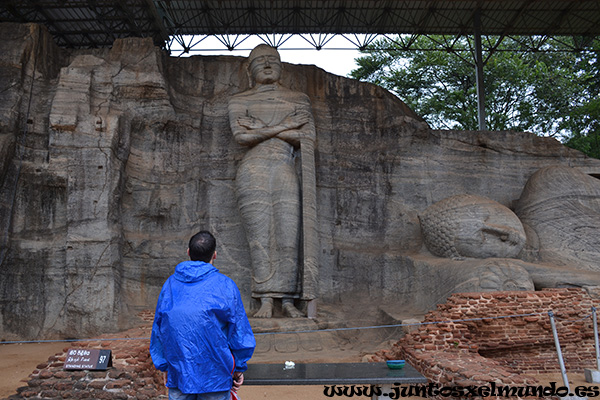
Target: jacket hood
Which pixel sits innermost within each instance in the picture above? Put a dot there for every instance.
(193, 271)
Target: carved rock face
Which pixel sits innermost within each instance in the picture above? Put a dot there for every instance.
(130, 151)
(562, 206)
(472, 226)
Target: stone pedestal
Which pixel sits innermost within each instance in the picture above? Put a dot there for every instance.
(289, 338)
(592, 375)
(272, 325)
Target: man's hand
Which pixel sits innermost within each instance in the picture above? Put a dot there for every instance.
(238, 379)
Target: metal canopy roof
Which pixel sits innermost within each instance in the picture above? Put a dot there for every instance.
(431, 17)
(97, 23)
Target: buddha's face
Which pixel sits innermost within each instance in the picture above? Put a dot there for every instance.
(265, 66)
(472, 226)
(489, 230)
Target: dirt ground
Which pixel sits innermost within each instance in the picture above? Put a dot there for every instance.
(17, 361)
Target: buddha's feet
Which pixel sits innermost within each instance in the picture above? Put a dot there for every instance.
(290, 310)
(266, 308)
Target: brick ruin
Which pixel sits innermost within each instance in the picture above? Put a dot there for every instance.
(486, 346)
(132, 375)
(496, 340)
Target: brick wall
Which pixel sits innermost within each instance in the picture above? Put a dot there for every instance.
(132, 376)
(487, 347)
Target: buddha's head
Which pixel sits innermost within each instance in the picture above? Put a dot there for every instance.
(472, 226)
(264, 64)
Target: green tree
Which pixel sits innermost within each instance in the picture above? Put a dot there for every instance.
(551, 93)
(584, 125)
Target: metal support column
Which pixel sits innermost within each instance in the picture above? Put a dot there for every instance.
(593, 375)
(561, 362)
(595, 319)
(479, 73)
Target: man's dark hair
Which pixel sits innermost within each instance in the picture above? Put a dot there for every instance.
(202, 246)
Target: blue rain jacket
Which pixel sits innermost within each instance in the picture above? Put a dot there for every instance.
(201, 333)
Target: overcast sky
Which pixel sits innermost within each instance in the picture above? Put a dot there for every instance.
(337, 56)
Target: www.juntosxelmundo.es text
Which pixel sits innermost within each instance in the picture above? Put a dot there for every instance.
(398, 391)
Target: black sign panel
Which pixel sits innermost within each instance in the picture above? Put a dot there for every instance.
(92, 359)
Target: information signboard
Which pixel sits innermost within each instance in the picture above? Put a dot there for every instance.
(92, 359)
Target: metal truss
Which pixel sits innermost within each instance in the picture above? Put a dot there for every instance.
(180, 45)
(87, 23)
(97, 23)
(192, 24)
(521, 17)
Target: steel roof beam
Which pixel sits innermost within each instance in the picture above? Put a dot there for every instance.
(160, 19)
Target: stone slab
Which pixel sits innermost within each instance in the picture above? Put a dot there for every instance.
(592, 375)
(330, 374)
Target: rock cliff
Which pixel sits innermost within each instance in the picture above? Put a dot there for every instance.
(110, 159)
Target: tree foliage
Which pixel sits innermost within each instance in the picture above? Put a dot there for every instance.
(554, 92)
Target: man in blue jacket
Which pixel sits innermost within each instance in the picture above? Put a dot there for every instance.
(201, 336)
